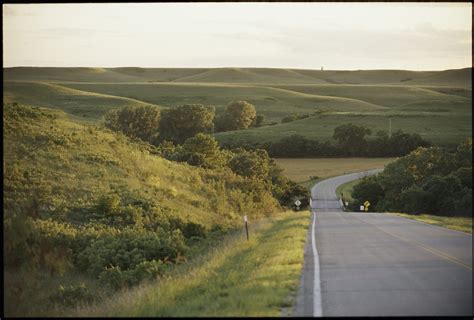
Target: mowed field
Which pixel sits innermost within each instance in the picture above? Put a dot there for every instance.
(300, 169)
(435, 104)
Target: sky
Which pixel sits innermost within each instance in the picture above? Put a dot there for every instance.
(336, 36)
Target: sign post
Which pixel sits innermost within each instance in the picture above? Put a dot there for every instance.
(246, 227)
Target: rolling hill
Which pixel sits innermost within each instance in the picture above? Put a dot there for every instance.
(76, 102)
(456, 77)
(436, 104)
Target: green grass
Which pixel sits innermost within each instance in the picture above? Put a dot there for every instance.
(438, 128)
(435, 104)
(455, 223)
(457, 77)
(300, 169)
(274, 103)
(346, 189)
(259, 278)
(75, 102)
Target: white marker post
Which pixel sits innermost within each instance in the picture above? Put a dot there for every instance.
(246, 227)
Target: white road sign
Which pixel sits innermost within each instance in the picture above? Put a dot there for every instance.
(297, 202)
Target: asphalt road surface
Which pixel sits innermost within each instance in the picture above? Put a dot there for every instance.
(376, 264)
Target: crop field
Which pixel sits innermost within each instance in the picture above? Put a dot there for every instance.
(435, 104)
(300, 169)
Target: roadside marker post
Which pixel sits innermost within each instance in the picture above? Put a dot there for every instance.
(361, 208)
(246, 227)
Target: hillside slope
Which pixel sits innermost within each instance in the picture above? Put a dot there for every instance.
(76, 102)
(89, 209)
(455, 77)
(437, 127)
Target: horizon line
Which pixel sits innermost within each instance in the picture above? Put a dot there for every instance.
(235, 67)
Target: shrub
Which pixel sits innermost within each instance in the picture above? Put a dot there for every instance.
(136, 122)
(73, 295)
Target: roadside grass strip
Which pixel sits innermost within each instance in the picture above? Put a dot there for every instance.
(463, 224)
(259, 277)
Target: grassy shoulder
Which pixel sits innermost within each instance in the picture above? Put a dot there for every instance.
(259, 277)
(346, 189)
(455, 223)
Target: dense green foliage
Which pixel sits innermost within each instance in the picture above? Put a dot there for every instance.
(180, 123)
(351, 138)
(428, 180)
(259, 170)
(238, 115)
(351, 142)
(202, 150)
(136, 122)
(297, 116)
(81, 200)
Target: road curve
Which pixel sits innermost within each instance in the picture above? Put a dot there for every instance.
(375, 264)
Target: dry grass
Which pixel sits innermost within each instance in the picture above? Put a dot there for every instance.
(300, 169)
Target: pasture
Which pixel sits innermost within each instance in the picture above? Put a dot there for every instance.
(434, 104)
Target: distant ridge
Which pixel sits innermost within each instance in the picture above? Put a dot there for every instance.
(452, 77)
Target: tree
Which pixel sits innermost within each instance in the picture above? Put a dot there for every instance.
(180, 123)
(136, 122)
(403, 143)
(238, 115)
(252, 164)
(203, 150)
(351, 138)
(369, 189)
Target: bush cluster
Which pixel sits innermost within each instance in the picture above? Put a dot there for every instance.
(428, 180)
(349, 144)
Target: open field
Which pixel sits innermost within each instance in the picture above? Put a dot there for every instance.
(435, 104)
(300, 169)
(237, 278)
(450, 128)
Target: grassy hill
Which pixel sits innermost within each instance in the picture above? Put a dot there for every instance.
(435, 104)
(457, 77)
(69, 185)
(76, 102)
(274, 103)
(441, 128)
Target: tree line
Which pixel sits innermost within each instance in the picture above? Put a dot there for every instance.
(350, 141)
(428, 180)
(177, 124)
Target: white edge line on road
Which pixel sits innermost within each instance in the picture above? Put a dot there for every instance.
(317, 306)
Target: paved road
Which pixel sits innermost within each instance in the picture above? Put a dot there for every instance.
(375, 264)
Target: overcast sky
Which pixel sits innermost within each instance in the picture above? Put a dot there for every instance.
(338, 36)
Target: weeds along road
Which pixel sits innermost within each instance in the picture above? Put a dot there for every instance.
(375, 264)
